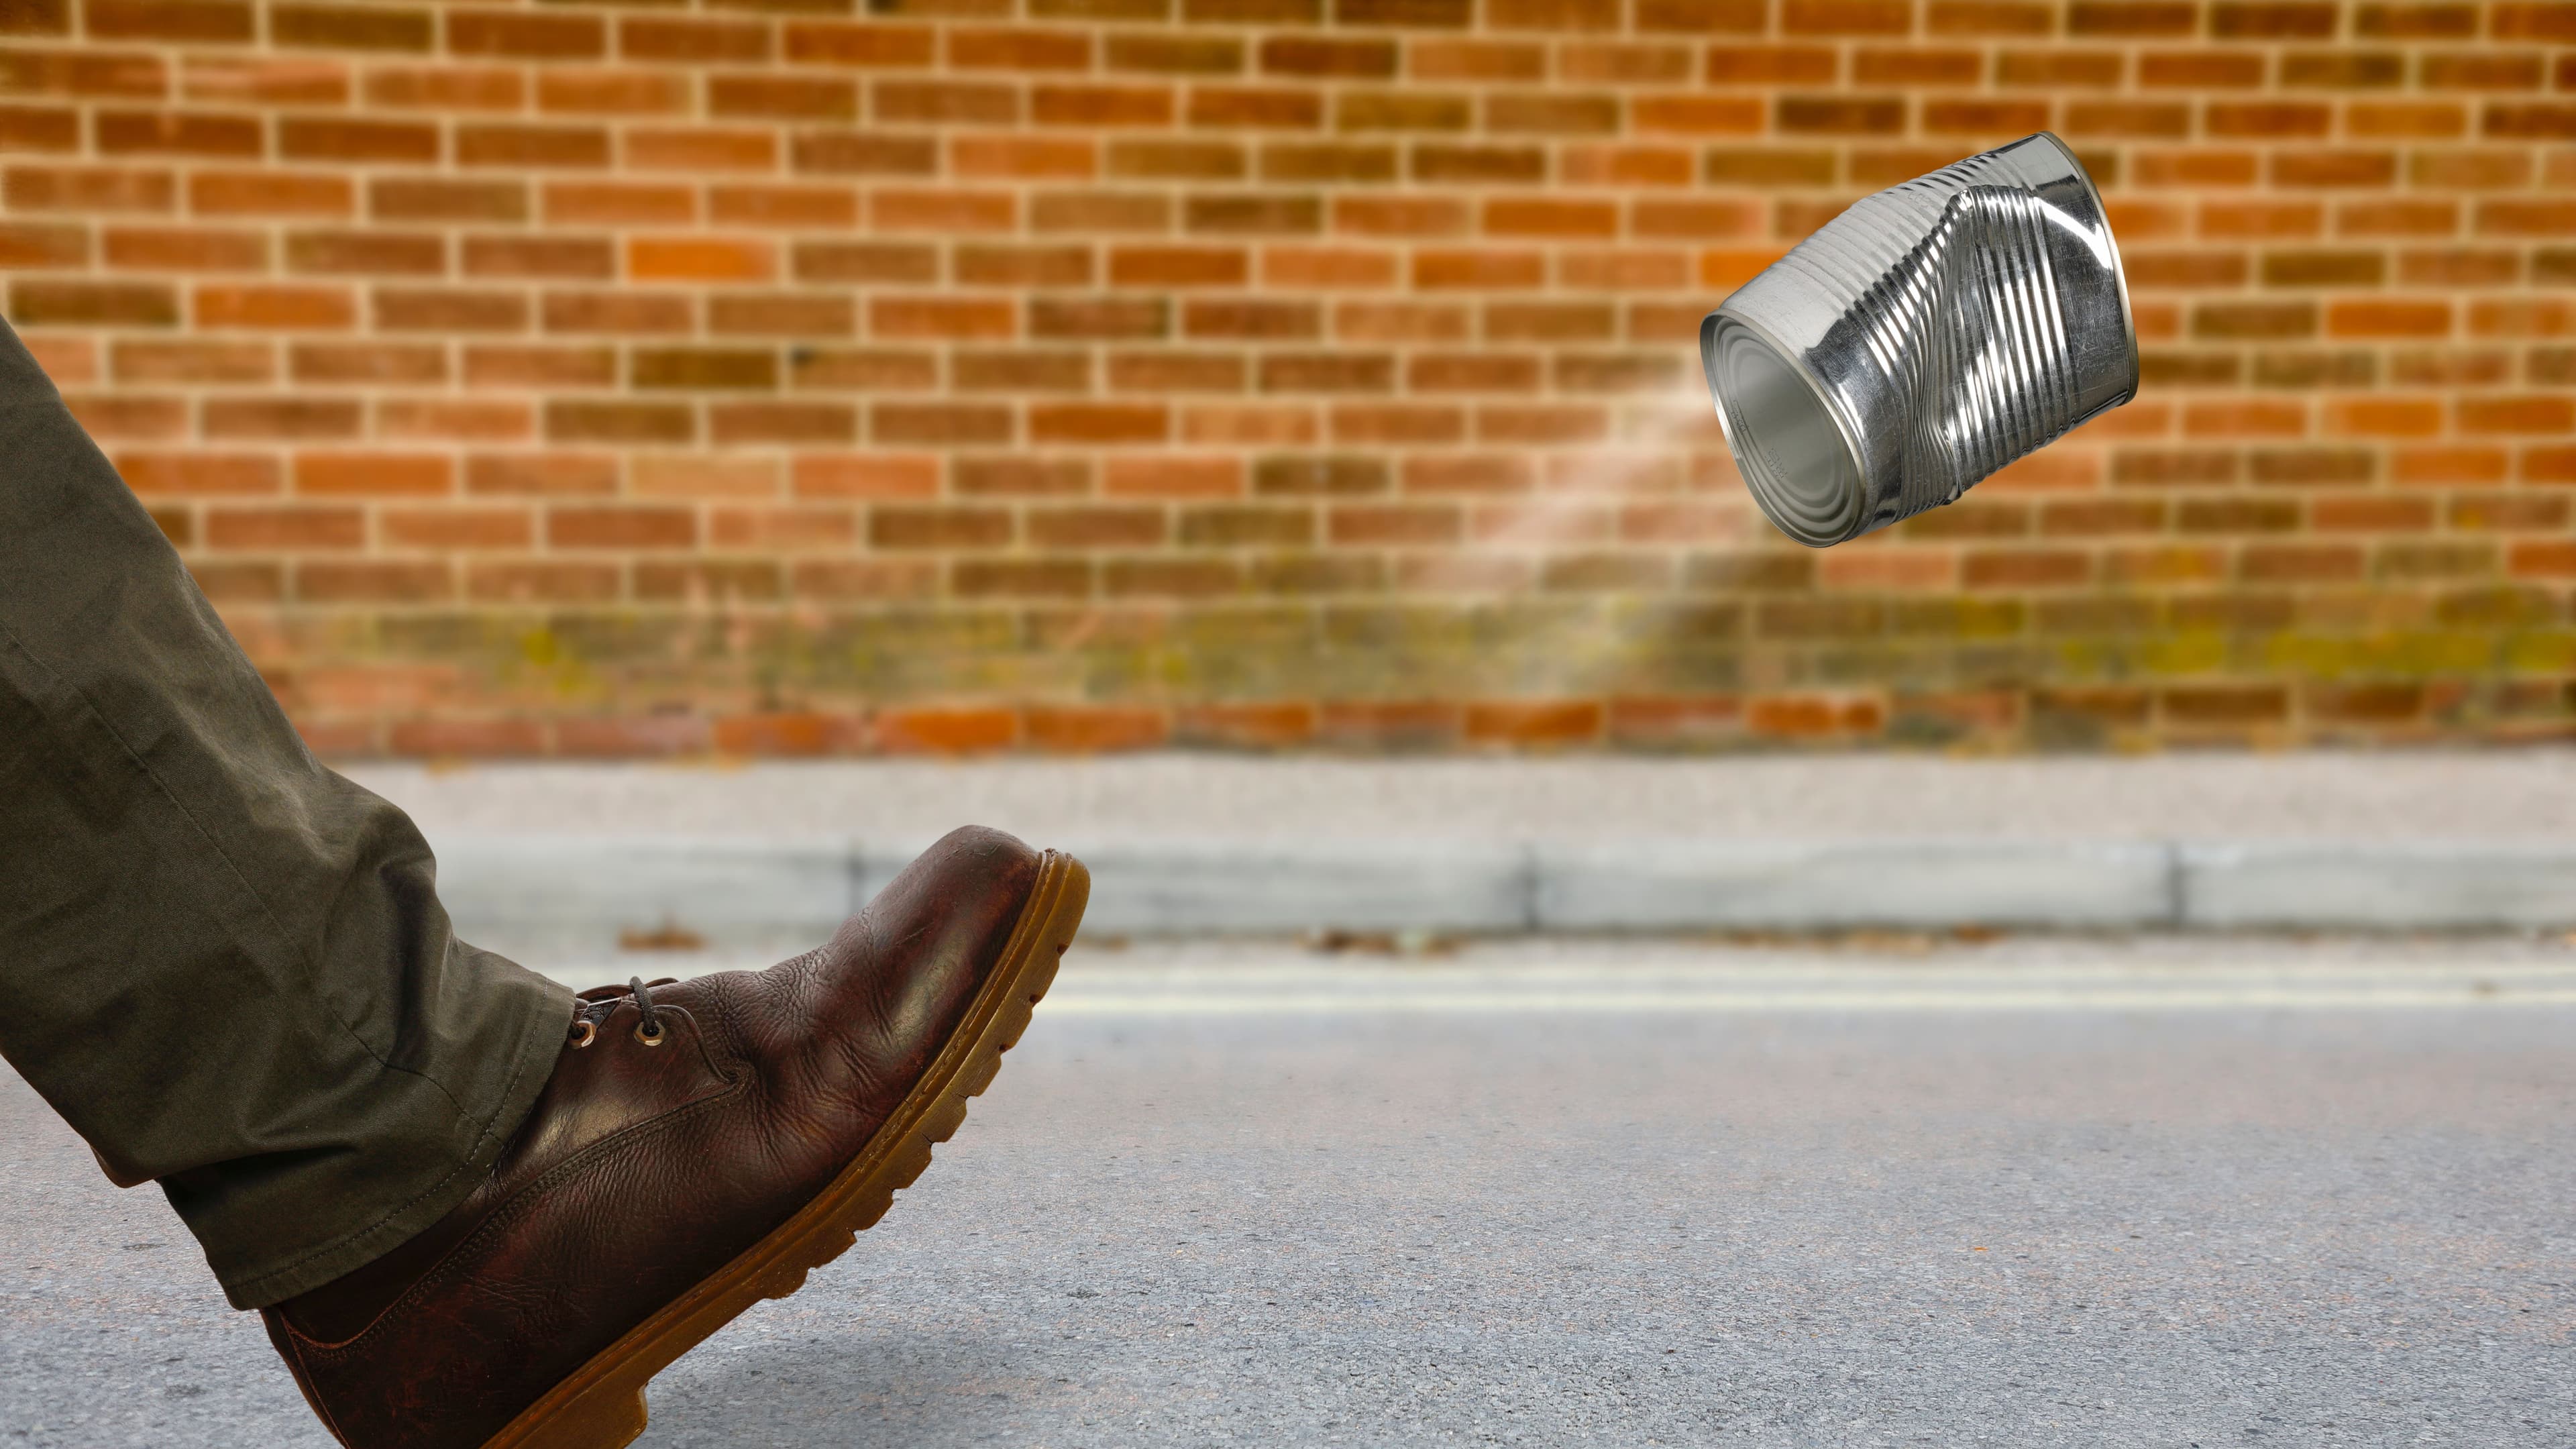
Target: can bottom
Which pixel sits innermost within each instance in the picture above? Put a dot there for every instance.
(1793, 454)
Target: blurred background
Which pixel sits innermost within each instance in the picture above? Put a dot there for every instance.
(817, 377)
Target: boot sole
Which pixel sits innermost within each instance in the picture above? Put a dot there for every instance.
(601, 1406)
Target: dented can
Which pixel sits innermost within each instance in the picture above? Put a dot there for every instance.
(1922, 340)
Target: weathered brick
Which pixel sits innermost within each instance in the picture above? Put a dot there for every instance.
(1230, 106)
(619, 422)
(1840, 115)
(439, 199)
(350, 27)
(366, 253)
(692, 40)
(867, 46)
(612, 92)
(526, 35)
(783, 98)
(202, 22)
(36, 17)
(2132, 18)
(320, 139)
(446, 88)
(520, 146)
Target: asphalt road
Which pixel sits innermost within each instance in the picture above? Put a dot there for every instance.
(2048, 1193)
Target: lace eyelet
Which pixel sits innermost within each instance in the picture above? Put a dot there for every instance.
(655, 1039)
(584, 1032)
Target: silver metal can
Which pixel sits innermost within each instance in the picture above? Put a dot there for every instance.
(1921, 340)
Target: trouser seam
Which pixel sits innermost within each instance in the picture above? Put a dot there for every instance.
(214, 847)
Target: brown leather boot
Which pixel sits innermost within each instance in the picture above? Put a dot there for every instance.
(701, 1145)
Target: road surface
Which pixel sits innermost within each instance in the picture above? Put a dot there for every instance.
(2083, 1193)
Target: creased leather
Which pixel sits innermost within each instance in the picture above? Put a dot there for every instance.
(644, 1170)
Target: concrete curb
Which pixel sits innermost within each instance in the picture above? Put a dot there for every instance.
(583, 891)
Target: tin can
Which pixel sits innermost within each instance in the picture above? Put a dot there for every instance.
(1922, 340)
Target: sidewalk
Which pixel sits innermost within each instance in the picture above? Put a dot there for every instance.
(756, 855)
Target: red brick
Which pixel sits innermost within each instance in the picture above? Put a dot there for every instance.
(2389, 319)
(1534, 724)
(374, 582)
(1098, 423)
(174, 249)
(1174, 478)
(283, 419)
(279, 307)
(783, 98)
(442, 199)
(368, 363)
(468, 738)
(39, 128)
(446, 88)
(203, 22)
(1258, 725)
(350, 27)
(542, 475)
(625, 527)
(1841, 115)
(612, 92)
(408, 309)
(88, 189)
(700, 259)
(700, 149)
(374, 475)
(2551, 21)
(1026, 157)
(2132, 17)
(294, 528)
(526, 35)
(36, 17)
(614, 423)
(868, 46)
(320, 139)
(138, 361)
(200, 473)
(698, 41)
(443, 420)
(114, 417)
(952, 731)
(1483, 270)
(515, 146)
(795, 424)
(178, 134)
(1179, 266)
(1224, 106)
(1039, 50)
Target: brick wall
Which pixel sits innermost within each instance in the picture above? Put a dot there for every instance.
(828, 376)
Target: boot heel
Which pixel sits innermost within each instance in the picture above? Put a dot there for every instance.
(605, 1418)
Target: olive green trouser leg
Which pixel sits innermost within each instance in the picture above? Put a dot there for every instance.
(224, 964)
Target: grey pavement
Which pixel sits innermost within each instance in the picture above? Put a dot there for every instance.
(2165, 1191)
(2525, 795)
(537, 858)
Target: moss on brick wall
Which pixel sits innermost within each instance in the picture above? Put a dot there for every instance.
(1076, 374)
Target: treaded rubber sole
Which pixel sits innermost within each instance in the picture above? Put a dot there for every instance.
(601, 1406)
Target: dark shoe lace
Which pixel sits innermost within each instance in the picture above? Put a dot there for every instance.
(596, 1005)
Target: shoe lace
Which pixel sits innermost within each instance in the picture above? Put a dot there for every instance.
(604, 1000)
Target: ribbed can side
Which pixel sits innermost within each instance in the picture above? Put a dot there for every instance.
(1932, 321)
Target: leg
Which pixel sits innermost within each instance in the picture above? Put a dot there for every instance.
(226, 965)
(472, 1211)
